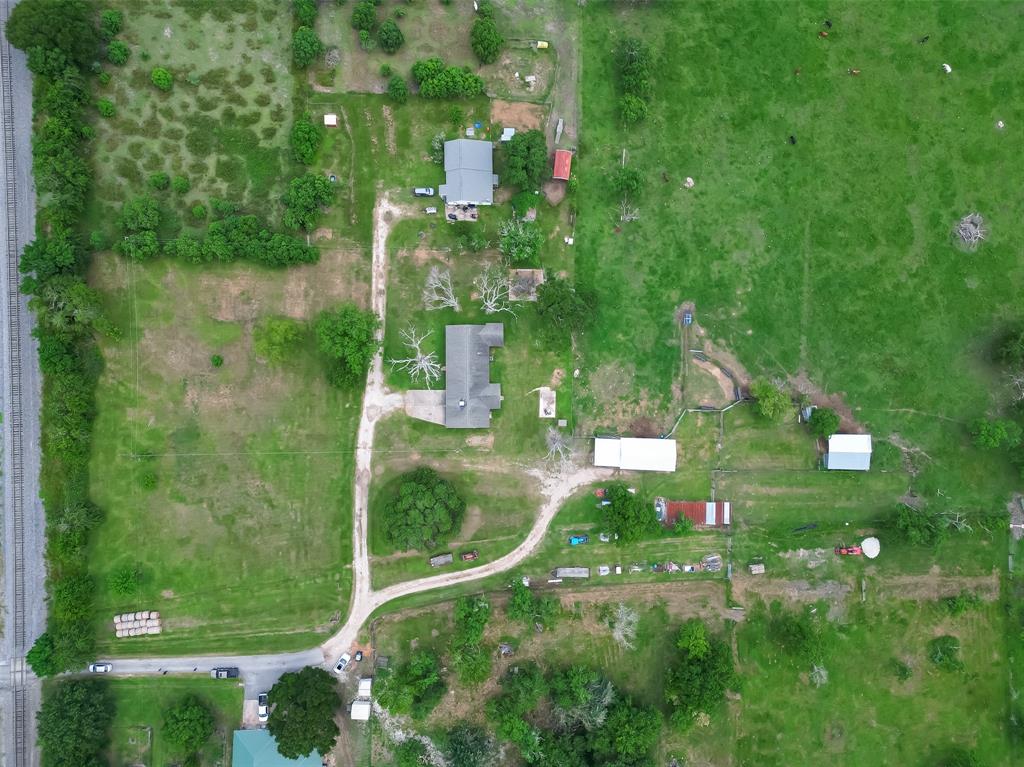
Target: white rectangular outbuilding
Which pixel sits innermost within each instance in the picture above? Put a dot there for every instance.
(635, 454)
(361, 710)
(849, 452)
(365, 686)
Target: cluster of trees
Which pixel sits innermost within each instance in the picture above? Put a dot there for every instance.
(519, 241)
(630, 516)
(530, 608)
(61, 40)
(364, 19)
(634, 64)
(484, 37)
(347, 338)
(594, 725)
(440, 81)
(231, 237)
(701, 674)
(305, 199)
(413, 688)
(424, 512)
(305, 139)
(470, 657)
(306, 46)
(526, 159)
(74, 723)
(305, 703)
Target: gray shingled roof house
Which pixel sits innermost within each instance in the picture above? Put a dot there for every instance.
(469, 176)
(469, 395)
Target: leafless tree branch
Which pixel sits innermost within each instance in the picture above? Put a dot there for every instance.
(418, 365)
(438, 292)
(493, 286)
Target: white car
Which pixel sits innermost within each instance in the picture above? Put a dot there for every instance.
(262, 707)
(603, 570)
(342, 663)
(100, 668)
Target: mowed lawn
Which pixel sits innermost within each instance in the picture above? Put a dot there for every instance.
(832, 256)
(137, 732)
(230, 487)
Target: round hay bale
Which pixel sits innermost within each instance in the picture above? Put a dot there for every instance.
(145, 615)
(155, 614)
(120, 633)
(154, 630)
(871, 547)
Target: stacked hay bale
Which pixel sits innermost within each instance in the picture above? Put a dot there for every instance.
(142, 623)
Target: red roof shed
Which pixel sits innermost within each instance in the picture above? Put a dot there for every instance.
(563, 164)
(701, 513)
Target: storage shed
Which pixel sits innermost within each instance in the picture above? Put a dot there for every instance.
(563, 164)
(849, 452)
(365, 687)
(441, 559)
(331, 121)
(361, 709)
(635, 454)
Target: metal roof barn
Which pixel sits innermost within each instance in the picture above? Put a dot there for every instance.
(635, 454)
(469, 395)
(469, 172)
(849, 452)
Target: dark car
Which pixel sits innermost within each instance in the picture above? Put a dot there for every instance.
(225, 672)
(359, 656)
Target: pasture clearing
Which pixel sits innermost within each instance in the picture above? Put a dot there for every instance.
(223, 125)
(830, 257)
(138, 724)
(230, 486)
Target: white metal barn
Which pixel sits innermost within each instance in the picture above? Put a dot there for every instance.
(849, 452)
(635, 454)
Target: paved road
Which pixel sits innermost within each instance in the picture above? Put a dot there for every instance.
(18, 210)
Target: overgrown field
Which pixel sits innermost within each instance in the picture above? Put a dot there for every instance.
(228, 486)
(832, 256)
(137, 733)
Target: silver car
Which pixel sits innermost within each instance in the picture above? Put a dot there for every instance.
(100, 668)
(342, 664)
(262, 707)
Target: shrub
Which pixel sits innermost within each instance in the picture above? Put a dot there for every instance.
(216, 360)
(900, 670)
(413, 688)
(347, 337)
(111, 23)
(398, 91)
(105, 107)
(162, 79)
(627, 180)
(424, 512)
(520, 241)
(305, 12)
(386, 70)
(275, 337)
(944, 652)
(632, 108)
(125, 580)
(390, 36)
(364, 15)
(485, 40)
(366, 41)
(995, 433)
(824, 422)
(148, 480)
(118, 53)
(181, 184)
(438, 81)
(160, 181)
(198, 211)
(918, 527)
(306, 47)
(772, 402)
(104, 78)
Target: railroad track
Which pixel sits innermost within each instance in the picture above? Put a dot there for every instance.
(15, 476)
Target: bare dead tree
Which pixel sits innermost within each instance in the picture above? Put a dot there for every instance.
(971, 230)
(627, 212)
(624, 626)
(1017, 382)
(493, 286)
(419, 364)
(438, 292)
(560, 451)
(819, 675)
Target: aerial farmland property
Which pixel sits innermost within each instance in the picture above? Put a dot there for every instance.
(563, 383)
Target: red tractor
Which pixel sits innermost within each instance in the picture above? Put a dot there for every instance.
(849, 551)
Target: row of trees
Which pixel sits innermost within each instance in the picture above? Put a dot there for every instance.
(440, 81)
(634, 63)
(61, 40)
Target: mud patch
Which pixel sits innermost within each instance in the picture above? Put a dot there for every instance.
(517, 114)
(554, 191)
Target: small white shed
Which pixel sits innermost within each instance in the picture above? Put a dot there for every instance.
(365, 685)
(849, 452)
(331, 120)
(635, 454)
(361, 710)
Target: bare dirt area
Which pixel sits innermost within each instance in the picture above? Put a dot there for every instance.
(517, 114)
(849, 424)
(554, 191)
(681, 599)
(720, 378)
(421, 256)
(746, 588)
(935, 585)
(611, 385)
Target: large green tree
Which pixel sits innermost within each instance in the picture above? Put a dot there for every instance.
(630, 515)
(74, 723)
(347, 336)
(275, 337)
(424, 512)
(824, 422)
(628, 735)
(701, 674)
(307, 195)
(564, 309)
(485, 40)
(64, 25)
(306, 47)
(526, 159)
(772, 402)
(305, 139)
(188, 724)
(304, 706)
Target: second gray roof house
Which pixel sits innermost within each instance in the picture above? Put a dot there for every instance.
(469, 395)
(469, 173)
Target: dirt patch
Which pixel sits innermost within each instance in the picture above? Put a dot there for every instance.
(935, 585)
(681, 599)
(557, 377)
(422, 256)
(389, 124)
(323, 233)
(554, 191)
(848, 423)
(517, 114)
(474, 518)
(723, 381)
(747, 588)
(167, 594)
(643, 427)
(481, 442)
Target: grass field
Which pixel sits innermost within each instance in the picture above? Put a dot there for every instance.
(137, 732)
(229, 486)
(224, 124)
(830, 257)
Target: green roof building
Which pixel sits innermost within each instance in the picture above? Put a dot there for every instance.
(257, 748)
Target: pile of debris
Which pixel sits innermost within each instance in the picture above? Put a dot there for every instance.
(143, 623)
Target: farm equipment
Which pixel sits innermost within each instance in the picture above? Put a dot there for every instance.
(578, 540)
(849, 551)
